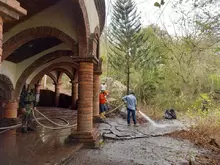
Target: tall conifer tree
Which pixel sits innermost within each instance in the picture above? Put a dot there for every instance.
(126, 40)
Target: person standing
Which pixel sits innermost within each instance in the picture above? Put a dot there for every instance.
(131, 103)
(27, 104)
(103, 86)
(102, 102)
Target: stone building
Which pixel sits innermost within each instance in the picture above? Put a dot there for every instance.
(52, 37)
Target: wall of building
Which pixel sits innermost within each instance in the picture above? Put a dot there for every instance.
(14, 71)
(9, 69)
(92, 14)
(60, 16)
(24, 64)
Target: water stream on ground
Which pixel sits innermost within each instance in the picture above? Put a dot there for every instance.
(153, 123)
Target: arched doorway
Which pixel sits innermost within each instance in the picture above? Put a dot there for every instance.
(6, 93)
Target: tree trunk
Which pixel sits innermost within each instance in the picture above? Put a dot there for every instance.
(128, 76)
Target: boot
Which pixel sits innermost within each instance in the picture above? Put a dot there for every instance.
(24, 130)
(103, 115)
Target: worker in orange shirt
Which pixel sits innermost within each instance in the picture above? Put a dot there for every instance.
(102, 102)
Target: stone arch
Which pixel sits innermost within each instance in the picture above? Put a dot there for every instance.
(83, 28)
(63, 71)
(101, 8)
(97, 31)
(52, 77)
(85, 16)
(94, 42)
(33, 33)
(55, 66)
(41, 61)
(22, 81)
(75, 75)
(6, 88)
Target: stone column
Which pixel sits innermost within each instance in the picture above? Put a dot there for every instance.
(96, 91)
(74, 94)
(85, 102)
(57, 94)
(37, 91)
(11, 110)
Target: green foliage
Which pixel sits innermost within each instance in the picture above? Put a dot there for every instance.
(202, 100)
(157, 4)
(146, 84)
(170, 70)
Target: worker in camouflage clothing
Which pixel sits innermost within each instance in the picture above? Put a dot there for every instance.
(27, 104)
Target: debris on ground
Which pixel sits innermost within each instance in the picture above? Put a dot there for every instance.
(205, 141)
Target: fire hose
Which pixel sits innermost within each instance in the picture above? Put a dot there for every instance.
(114, 109)
(59, 126)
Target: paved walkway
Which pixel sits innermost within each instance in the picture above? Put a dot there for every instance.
(116, 128)
(43, 147)
(46, 147)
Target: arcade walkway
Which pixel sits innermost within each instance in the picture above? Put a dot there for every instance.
(43, 147)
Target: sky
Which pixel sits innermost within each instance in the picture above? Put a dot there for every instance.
(167, 16)
(154, 15)
(163, 17)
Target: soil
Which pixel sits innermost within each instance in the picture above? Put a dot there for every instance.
(212, 157)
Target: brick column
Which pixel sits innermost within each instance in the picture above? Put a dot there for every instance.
(85, 103)
(37, 91)
(96, 91)
(57, 94)
(11, 110)
(85, 132)
(74, 94)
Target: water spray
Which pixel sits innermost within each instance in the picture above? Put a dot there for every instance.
(153, 123)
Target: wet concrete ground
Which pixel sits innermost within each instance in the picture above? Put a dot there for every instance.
(42, 147)
(116, 128)
(146, 151)
(141, 145)
(124, 145)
